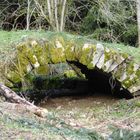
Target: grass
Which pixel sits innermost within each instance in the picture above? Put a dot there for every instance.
(51, 128)
(79, 125)
(8, 41)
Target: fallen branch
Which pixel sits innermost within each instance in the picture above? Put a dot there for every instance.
(12, 97)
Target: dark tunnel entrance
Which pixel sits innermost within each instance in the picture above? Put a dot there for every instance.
(101, 82)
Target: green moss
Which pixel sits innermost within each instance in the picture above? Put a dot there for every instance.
(25, 54)
(56, 49)
(127, 83)
(87, 55)
(69, 51)
(42, 70)
(132, 77)
(138, 73)
(14, 76)
(42, 56)
(137, 103)
(37, 55)
(57, 55)
(70, 73)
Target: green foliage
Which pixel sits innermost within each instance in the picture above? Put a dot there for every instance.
(90, 21)
(123, 108)
(107, 20)
(113, 21)
(137, 103)
(130, 35)
(103, 34)
(51, 126)
(122, 134)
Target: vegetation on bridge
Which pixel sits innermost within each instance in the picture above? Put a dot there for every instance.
(34, 57)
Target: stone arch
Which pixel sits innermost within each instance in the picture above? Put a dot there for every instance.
(114, 71)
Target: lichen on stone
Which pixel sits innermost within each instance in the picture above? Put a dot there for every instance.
(34, 56)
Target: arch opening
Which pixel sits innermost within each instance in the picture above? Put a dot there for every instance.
(100, 82)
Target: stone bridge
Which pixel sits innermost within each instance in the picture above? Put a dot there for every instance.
(106, 69)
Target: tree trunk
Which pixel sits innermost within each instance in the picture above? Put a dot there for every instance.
(11, 96)
(63, 15)
(138, 21)
(28, 16)
(56, 15)
(50, 12)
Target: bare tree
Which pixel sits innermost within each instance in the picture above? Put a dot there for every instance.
(16, 15)
(138, 20)
(54, 11)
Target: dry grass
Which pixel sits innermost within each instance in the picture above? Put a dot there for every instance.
(98, 113)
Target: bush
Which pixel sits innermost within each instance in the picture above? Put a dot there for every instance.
(130, 36)
(112, 21)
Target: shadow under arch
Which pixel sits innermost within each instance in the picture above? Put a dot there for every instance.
(99, 82)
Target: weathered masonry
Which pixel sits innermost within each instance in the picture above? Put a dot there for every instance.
(104, 68)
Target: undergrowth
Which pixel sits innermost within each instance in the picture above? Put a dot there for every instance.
(55, 128)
